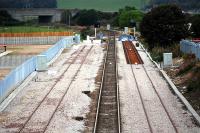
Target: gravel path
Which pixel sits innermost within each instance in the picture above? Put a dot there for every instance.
(132, 111)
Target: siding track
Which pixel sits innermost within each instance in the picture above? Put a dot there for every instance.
(108, 112)
(129, 58)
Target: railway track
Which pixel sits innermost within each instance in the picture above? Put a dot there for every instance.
(108, 111)
(37, 110)
(130, 58)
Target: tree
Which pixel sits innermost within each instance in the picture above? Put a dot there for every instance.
(164, 26)
(195, 26)
(87, 17)
(6, 19)
(126, 16)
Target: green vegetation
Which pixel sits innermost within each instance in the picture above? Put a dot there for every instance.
(17, 29)
(85, 32)
(164, 26)
(87, 17)
(121, 18)
(157, 52)
(6, 19)
(90, 17)
(101, 5)
(126, 16)
(195, 29)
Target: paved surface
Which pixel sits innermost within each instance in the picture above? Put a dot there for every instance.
(135, 117)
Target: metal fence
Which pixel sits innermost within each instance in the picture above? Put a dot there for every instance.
(189, 47)
(20, 73)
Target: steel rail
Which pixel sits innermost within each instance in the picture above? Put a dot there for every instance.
(57, 80)
(161, 101)
(118, 97)
(73, 79)
(101, 88)
(140, 95)
(100, 91)
(154, 88)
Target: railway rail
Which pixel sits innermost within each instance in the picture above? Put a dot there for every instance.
(129, 57)
(108, 107)
(46, 123)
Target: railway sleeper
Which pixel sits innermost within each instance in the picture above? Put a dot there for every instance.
(108, 123)
(109, 99)
(109, 91)
(108, 115)
(108, 106)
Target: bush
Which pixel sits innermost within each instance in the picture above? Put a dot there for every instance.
(85, 32)
(157, 52)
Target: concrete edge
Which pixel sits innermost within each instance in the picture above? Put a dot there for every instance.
(5, 53)
(169, 81)
(16, 91)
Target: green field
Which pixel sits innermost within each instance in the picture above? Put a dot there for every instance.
(102, 5)
(16, 29)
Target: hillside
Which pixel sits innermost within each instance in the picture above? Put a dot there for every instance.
(102, 5)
